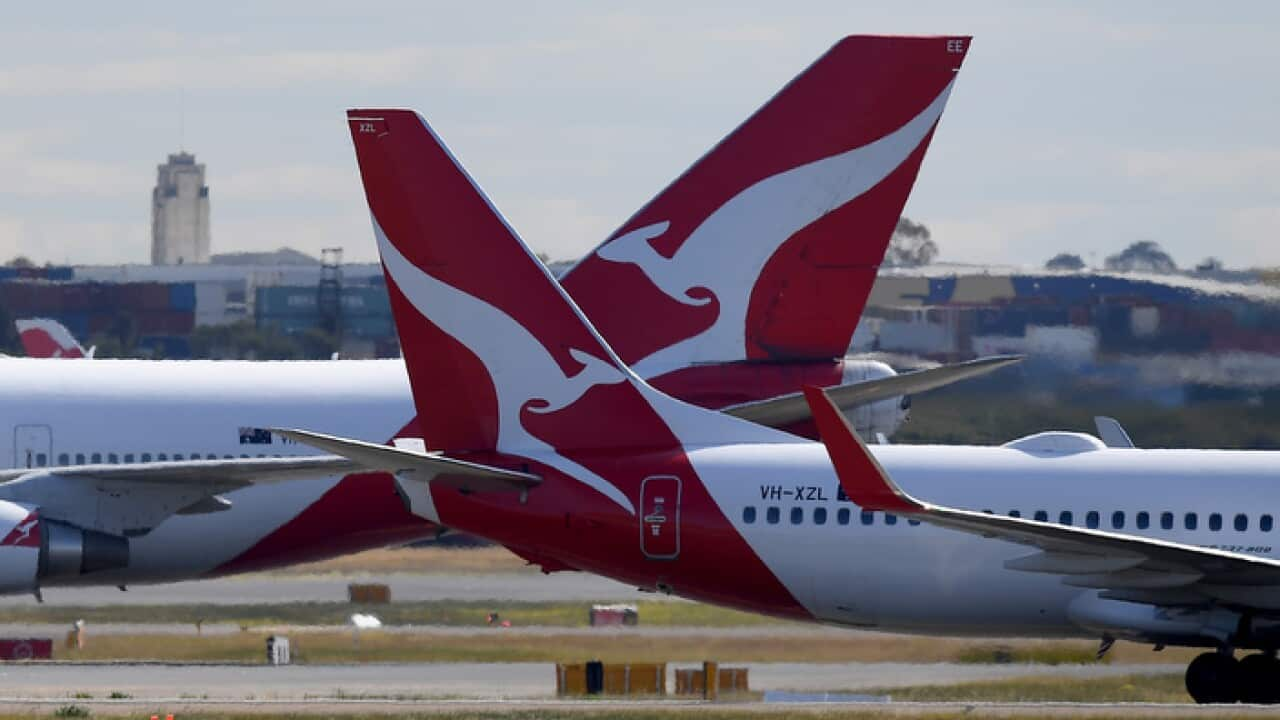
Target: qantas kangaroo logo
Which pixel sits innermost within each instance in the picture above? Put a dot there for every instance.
(24, 534)
(487, 331)
(757, 220)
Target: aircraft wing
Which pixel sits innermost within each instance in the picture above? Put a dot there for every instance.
(789, 409)
(1124, 566)
(220, 475)
(133, 498)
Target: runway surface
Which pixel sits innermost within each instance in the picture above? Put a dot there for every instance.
(474, 681)
(264, 589)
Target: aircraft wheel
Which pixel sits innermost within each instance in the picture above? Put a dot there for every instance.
(1213, 678)
(1259, 679)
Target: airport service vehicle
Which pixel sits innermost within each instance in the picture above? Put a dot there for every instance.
(1051, 535)
(141, 471)
(48, 338)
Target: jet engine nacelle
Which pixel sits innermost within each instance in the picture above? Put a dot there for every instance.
(34, 550)
(880, 417)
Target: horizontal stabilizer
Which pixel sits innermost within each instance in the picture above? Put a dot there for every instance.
(786, 410)
(461, 474)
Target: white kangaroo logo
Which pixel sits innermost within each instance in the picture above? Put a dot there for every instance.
(516, 361)
(735, 242)
(24, 530)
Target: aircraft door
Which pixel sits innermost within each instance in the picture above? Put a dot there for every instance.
(32, 446)
(660, 517)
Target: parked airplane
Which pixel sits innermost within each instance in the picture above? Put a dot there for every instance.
(48, 338)
(143, 471)
(1050, 535)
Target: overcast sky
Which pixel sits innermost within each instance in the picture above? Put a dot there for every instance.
(1077, 126)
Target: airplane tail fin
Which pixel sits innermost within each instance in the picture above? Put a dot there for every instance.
(499, 358)
(48, 338)
(767, 246)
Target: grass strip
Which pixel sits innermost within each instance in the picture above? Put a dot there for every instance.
(1163, 688)
(446, 612)
(499, 645)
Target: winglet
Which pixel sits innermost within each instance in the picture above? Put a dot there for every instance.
(860, 476)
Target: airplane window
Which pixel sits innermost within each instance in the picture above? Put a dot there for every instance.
(912, 522)
(177, 456)
(868, 517)
(162, 457)
(1144, 520)
(1242, 522)
(772, 515)
(96, 458)
(1166, 520)
(1065, 518)
(1264, 523)
(1041, 516)
(1015, 514)
(146, 457)
(797, 515)
(228, 457)
(64, 459)
(820, 516)
(113, 458)
(842, 516)
(890, 519)
(79, 458)
(128, 457)
(1091, 520)
(41, 460)
(211, 456)
(1190, 521)
(1215, 522)
(1117, 519)
(748, 514)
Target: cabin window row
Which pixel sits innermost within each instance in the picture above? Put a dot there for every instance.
(1144, 520)
(819, 516)
(65, 459)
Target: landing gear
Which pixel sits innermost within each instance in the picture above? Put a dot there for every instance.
(1216, 677)
(1259, 681)
(1213, 678)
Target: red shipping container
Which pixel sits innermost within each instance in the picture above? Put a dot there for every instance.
(26, 649)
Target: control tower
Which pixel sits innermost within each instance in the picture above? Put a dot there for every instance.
(180, 213)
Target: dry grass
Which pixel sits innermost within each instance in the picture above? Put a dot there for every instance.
(446, 612)
(1167, 688)
(424, 560)
(497, 645)
(586, 712)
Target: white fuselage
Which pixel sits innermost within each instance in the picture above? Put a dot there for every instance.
(71, 412)
(918, 578)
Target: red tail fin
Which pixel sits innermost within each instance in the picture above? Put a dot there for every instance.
(46, 338)
(767, 247)
(498, 356)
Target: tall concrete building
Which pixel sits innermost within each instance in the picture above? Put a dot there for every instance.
(180, 213)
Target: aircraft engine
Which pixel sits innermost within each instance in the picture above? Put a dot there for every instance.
(880, 417)
(33, 550)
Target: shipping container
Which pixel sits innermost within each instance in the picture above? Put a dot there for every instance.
(182, 296)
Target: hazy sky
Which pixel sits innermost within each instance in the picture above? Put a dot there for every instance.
(1075, 126)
